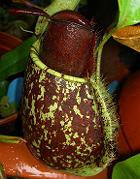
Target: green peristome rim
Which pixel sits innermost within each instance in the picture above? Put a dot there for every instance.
(35, 58)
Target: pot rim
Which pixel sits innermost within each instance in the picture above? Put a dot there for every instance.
(9, 119)
(37, 61)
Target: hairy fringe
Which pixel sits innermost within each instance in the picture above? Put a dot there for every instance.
(107, 110)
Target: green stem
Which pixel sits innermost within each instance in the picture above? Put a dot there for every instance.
(59, 5)
(99, 51)
(99, 54)
(11, 139)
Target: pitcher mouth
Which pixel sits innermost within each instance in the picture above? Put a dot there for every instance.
(34, 54)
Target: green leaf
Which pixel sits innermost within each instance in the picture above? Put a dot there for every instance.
(15, 61)
(129, 12)
(129, 168)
